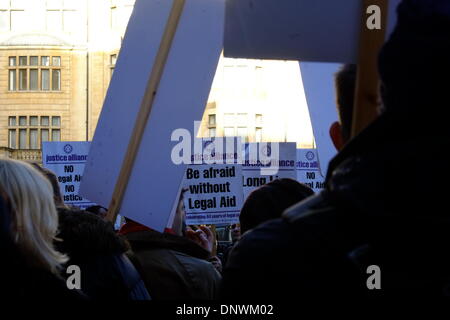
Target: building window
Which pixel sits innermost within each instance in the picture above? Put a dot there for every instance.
(12, 80)
(258, 135)
(22, 121)
(120, 13)
(212, 120)
(56, 135)
(44, 135)
(62, 16)
(12, 121)
(45, 79)
(30, 132)
(56, 79)
(12, 15)
(228, 131)
(34, 121)
(112, 64)
(56, 61)
(212, 132)
(23, 79)
(22, 138)
(45, 61)
(243, 133)
(56, 121)
(241, 119)
(30, 76)
(258, 120)
(229, 119)
(34, 79)
(45, 121)
(34, 61)
(12, 139)
(34, 139)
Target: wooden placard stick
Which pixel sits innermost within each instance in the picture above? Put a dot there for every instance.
(367, 81)
(145, 109)
(214, 233)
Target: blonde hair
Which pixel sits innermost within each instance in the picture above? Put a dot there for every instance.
(34, 217)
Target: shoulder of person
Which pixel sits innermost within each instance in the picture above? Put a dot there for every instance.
(311, 207)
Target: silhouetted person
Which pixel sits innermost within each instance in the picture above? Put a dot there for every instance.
(345, 84)
(92, 245)
(172, 266)
(384, 203)
(30, 266)
(270, 200)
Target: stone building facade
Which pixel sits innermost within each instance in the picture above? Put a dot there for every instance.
(56, 61)
(57, 58)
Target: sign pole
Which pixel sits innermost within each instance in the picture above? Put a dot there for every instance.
(145, 109)
(367, 81)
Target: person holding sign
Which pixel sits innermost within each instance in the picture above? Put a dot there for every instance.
(378, 230)
(174, 267)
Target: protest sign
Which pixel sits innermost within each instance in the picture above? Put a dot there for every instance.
(318, 81)
(186, 65)
(259, 155)
(67, 161)
(316, 31)
(308, 171)
(319, 30)
(214, 194)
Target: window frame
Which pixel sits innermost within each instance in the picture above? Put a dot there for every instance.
(23, 78)
(28, 134)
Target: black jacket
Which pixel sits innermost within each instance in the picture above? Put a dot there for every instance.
(173, 267)
(92, 245)
(385, 204)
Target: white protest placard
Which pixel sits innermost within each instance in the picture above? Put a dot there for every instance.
(259, 155)
(182, 94)
(214, 194)
(308, 171)
(318, 81)
(319, 30)
(67, 161)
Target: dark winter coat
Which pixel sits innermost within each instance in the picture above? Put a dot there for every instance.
(91, 244)
(386, 197)
(385, 204)
(173, 267)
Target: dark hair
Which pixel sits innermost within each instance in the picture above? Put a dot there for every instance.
(96, 209)
(51, 177)
(270, 200)
(5, 220)
(85, 235)
(345, 82)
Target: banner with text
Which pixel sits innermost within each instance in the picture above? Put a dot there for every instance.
(67, 160)
(214, 194)
(308, 169)
(259, 155)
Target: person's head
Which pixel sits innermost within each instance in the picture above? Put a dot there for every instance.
(345, 83)
(86, 235)
(5, 222)
(98, 210)
(50, 175)
(179, 222)
(270, 200)
(235, 232)
(34, 221)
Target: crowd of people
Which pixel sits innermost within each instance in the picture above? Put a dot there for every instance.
(383, 205)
